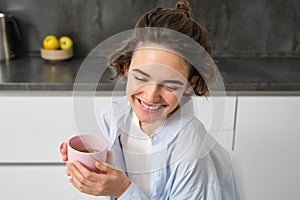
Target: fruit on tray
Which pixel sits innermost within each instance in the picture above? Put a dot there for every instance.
(51, 42)
(55, 48)
(65, 42)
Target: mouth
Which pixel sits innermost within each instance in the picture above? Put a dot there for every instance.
(152, 108)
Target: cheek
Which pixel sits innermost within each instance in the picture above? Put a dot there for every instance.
(131, 86)
(172, 98)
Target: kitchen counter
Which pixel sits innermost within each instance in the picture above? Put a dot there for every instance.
(239, 75)
(35, 74)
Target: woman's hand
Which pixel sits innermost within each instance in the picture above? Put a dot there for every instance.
(110, 182)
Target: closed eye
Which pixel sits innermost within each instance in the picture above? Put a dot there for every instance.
(140, 79)
(173, 88)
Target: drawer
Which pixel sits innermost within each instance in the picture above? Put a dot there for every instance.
(32, 128)
(216, 113)
(38, 182)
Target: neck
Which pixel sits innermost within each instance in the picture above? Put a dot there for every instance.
(149, 128)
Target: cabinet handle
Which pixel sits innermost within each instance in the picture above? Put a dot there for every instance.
(234, 123)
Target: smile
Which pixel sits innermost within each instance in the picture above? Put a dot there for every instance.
(149, 107)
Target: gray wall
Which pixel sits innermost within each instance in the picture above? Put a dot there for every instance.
(237, 28)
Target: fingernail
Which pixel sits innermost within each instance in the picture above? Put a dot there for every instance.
(98, 163)
(68, 173)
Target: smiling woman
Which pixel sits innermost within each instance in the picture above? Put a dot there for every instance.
(159, 147)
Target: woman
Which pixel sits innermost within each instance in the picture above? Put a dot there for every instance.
(160, 150)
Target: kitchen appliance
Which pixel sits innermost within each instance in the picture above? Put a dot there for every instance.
(10, 37)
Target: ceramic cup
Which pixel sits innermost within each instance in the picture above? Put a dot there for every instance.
(87, 149)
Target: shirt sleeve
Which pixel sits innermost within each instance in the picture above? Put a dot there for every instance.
(196, 181)
(230, 188)
(133, 192)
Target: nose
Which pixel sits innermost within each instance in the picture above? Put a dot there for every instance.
(152, 91)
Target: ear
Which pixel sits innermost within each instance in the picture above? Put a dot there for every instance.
(191, 85)
(189, 89)
(125, 68)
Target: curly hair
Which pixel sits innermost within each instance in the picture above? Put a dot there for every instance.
(177, 19)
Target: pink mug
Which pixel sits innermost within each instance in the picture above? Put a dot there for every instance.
(87, 149)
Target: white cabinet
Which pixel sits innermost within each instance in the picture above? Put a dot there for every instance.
(266, 154)
(38, 182)
(218, 115)
(32, 128)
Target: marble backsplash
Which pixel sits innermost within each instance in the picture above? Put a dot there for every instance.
(237, 28)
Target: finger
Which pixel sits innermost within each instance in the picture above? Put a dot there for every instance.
(65, 157)
(107, 168)
(68, 173)
(86, 173)
(63, 147)
(109, 158)
(78, 177)
(64, 151)
(81, 187)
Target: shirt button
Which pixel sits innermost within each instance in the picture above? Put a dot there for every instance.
(157, 174)
(155, 137)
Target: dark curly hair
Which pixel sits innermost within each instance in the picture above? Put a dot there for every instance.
(178, 19)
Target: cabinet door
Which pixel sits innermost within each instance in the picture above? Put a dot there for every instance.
(217, 114)
(38, 182)
(32, 127)
(267, 146)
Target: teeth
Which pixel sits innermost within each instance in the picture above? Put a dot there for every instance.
(149, 107)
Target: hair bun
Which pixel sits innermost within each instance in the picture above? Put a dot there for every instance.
(184, 5)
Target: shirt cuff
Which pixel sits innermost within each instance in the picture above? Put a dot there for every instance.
(128, 192)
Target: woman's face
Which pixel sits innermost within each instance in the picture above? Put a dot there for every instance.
(157, 79)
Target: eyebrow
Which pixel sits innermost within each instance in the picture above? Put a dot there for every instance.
(141, 72)
(173, 82)
(165, 81)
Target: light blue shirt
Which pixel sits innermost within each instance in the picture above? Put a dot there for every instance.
(187, 163)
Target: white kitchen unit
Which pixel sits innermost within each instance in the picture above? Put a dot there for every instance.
(267, 147)
(33, 124)
(32, 127)
(218, 116)
(36, 182)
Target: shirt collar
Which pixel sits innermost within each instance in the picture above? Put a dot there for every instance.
(122, 112)
(173, 125)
